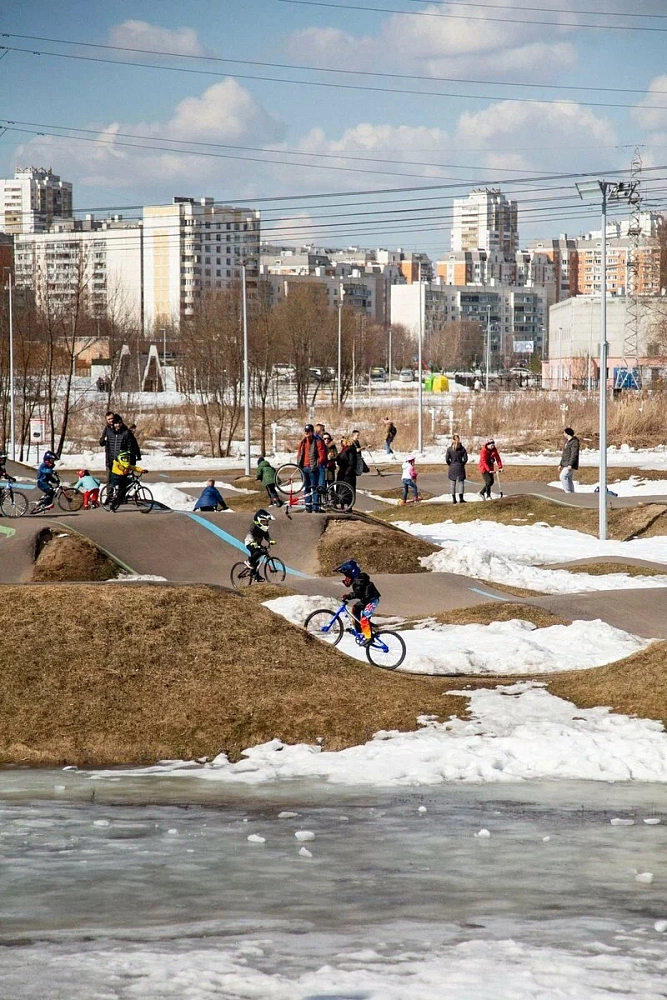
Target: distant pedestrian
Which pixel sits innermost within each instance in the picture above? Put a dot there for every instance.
(355, 443)
(477, 385)
(267, 476)
(456, 458)
(211, 499)
(409, 479)
(489, 461)
(569, 460)
(390, 434)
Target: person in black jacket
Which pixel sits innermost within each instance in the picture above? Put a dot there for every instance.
(365, 593)
(116, 437)
(569, 461)
(456, 458)
(346, 460)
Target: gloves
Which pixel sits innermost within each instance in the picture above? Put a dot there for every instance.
(346, 597)
(273, 542)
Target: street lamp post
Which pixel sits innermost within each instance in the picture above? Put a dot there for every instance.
(606, 191)
(389, 358)
(340, 345)
(164, 347)
(420, 385)
(246, 376)
(12, 434)
(488, 346)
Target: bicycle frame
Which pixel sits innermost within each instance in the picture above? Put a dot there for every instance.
(344, 612)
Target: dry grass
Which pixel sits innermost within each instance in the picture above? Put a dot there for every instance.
(377, 548)
(200, 671)
(484, 614)
(634, 686)
(65, 558)
(623, 522)
(603, 568)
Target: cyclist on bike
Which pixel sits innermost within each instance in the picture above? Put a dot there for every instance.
(3, 470)
(365, 593)
(258, 540)
(119, 480)
(47, 481)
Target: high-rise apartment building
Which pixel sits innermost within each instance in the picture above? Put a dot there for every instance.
(485, 220)
(192, 246)
(32, 199)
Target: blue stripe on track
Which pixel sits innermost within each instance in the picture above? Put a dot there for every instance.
(232, 540)
(484, 593)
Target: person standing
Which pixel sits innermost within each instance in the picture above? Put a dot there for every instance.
(489, 461)
(390, 434)
(355, 443)
(332, 454)
(311, 457)
(106, 439)
(346, 461)
(116, 437)
(569, 460)
(409, 480)
(456, 458)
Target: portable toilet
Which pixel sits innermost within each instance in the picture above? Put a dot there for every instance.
(428, 383)
(440, 383)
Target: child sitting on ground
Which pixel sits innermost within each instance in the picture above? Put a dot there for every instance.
(409, 479)
(267, 475)
(211, 498)
(90, 487)
(365, 593)
(258, 539)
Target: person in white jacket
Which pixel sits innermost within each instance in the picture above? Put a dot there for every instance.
(409, 479)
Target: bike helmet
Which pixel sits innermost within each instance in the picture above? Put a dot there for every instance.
(263, 518)
(350, 570)
(49, 456)
(123, 456)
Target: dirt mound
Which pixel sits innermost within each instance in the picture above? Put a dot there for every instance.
(61, 557)
(377, 548)
(634, 522)
(142, 673)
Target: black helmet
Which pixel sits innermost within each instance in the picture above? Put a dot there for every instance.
(350, 570)
(263, 518)
(49, 456)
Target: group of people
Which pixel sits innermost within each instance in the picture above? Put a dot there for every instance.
(323, 462)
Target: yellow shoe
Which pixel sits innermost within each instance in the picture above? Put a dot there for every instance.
(402, 502)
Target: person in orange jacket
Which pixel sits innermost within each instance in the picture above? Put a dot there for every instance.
(489, 461)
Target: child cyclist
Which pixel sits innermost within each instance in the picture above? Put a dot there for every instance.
(409, 479)
(267, 476)
(365, 593)
(47, 481)
(90, 487)
(258, 539)
(3, 468)
(120, 478)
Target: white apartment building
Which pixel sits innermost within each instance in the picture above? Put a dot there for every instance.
(485, 220)
(190, 247)
(100, 259)
(514, 315)
(32, 199)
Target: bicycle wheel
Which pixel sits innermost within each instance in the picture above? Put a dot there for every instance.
(387, 650)
(274, 570)
(324, 626)
(240, 576)
(289, 478)
(340, 496)
(69, 499)
(106, 494)
(14, 504)
(143, 498)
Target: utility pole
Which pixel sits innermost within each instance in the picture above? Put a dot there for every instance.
(12, 434)
(246, 376)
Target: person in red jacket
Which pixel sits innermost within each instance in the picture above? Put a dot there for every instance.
(489, 461)
(311, 457)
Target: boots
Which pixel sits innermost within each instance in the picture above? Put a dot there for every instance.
(453, 497)
(461, 500)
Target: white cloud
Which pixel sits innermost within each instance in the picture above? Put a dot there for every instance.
(443, 46)
(652, 111)
(224, 113)
(142, 35)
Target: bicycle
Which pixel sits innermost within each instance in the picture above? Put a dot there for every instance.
(290, 482)
(136, 494)
(270, 569)
(13, 503)
(386, 648)
(66, 497)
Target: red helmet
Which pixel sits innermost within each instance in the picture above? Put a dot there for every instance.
(82, 472)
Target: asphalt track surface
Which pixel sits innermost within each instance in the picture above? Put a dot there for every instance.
(188, 548)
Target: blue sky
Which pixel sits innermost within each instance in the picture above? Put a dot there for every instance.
(302, 141)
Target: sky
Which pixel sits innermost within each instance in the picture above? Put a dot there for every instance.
(330, 116)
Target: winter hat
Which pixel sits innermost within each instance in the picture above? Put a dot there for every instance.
(490, 441)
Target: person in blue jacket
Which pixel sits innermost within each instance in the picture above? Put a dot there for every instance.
(47, 481)
(211, 498)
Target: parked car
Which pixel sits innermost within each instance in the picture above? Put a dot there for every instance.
(378, 375)
(283, 372)
(406, 375)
